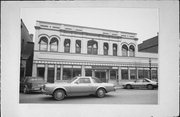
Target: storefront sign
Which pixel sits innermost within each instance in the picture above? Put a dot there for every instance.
(101, 67)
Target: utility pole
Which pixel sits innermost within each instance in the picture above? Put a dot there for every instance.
(150, 68)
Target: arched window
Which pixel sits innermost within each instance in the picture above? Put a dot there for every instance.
(43, 44)
(131, 50)
(114, 49)
(124, 50)
(78, 46)
(54, 44)
(92, 47)
(67, 43)
(106, 47)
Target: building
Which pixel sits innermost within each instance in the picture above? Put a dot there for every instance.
(63, 51)
(149, 45)
(27, 51)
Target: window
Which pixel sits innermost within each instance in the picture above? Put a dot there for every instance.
(92, 47)
(124, 74)
(106, 47)
(84, 80)
(96, 80)
(54, 44)
(78, 46)
(43, 44)
(132, 74)
(131, 50)
(124, 50)
(114, 49)
(67, 45)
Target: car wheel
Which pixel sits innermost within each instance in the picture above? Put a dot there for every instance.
(128, 86)
(100, 93)
(59, 94)
(25, 90)
(150, 87)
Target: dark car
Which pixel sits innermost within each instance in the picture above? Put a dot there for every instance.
(31, 84)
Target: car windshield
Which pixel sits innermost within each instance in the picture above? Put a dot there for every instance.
(35, 80)
(70, 81)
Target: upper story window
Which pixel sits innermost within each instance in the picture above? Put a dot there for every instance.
(92, 47)
(67, 43)
(54, 44)
(131, 50)
(43, 44)
(106, 47)
(78, 46)
(114, 49)
(124, 50)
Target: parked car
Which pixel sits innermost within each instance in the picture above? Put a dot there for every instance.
(31, 84)
(78, 86)
(141, 83)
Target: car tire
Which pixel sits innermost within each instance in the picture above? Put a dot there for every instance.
(150, 87)
(128, 86)
(59, 94)
(25, 90)
(100, 93)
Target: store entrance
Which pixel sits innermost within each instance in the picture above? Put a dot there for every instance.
(50, 77)
(101, 75)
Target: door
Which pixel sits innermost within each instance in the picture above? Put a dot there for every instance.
(50, 77)
(82, 86)
(101, 75)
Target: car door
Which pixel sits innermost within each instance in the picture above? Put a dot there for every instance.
(82, 86)
(138, 83)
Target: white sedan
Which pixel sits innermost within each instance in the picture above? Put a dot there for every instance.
(78, 86)
(141, 83)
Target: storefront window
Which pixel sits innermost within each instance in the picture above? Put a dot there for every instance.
(88, 72)
(146, 73)
(113, 74)
(76, 71)
(140, 74)
(40, 72)
(124, 74)
(67, 72)
(132, 74)
(154, 74)
(58, 74)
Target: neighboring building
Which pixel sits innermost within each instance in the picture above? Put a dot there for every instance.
(149, 45)
(27, 50)
(63, 51)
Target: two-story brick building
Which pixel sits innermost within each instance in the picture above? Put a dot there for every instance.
(63, 51)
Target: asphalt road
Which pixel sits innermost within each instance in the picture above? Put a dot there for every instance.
(120, 96)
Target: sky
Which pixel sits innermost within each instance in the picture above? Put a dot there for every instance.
(143, 21)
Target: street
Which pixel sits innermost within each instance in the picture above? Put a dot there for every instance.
(120, 96)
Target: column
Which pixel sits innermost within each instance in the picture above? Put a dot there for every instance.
(55, 72)
(61, 45)
(34, 71)
(110, 52)
(119, 52)
(61, 77)
(129, 73)
(93, 73)
(46, 72)
(137, 73)
(119, 74)
(73, 47)
(100, 47)
(82, 70)
(84, 46)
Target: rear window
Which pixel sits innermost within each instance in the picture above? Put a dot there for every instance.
(96, 80)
